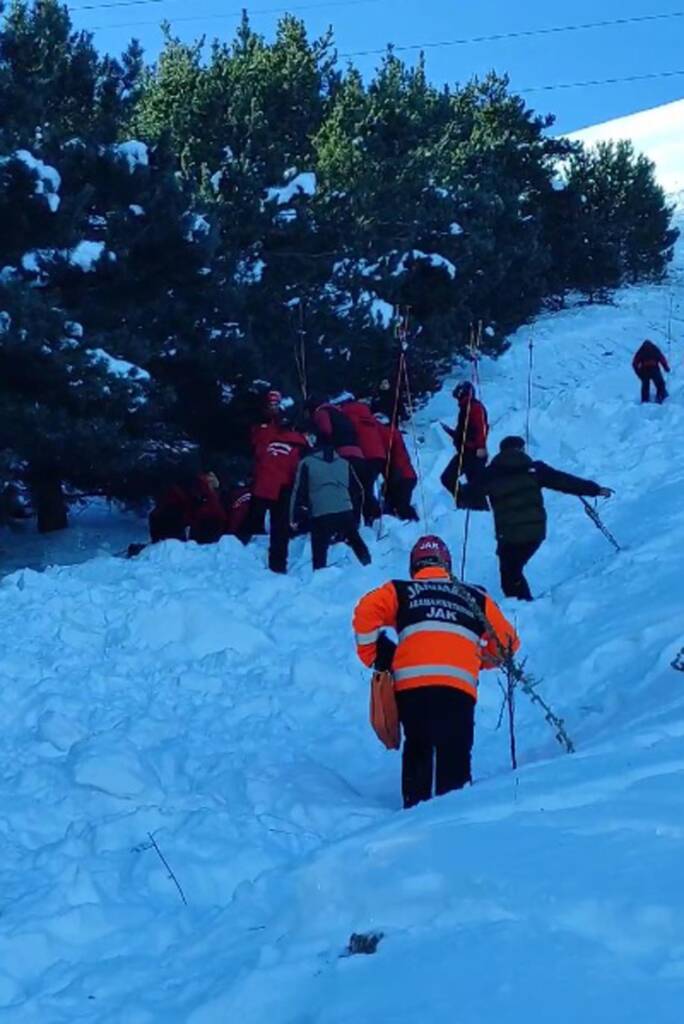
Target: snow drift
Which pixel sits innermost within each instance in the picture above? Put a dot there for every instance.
(191, 706)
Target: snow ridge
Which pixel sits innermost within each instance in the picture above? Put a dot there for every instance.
(191, 695)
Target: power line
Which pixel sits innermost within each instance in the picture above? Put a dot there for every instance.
(209, 17)
(520, 34)
(399, 47)
(600, 81)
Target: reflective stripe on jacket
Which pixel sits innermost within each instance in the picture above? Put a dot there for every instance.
(447, 630)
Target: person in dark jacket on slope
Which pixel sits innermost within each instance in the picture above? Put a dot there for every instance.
(470, 441)
(513, 482)
(324, 491)
(646, 364)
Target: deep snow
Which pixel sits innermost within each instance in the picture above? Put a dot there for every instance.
(192, 695)
(658, 132)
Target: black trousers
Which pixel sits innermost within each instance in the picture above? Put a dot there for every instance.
(438, 724)
(367, 471)
(336, 526)
(653, 375)
(472, 468)
(399, 493)
(512, 560)
(279, 527)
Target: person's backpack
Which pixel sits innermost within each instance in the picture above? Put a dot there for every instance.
(384, 715)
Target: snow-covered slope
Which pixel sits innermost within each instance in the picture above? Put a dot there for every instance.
(658, 132)
(193, 696)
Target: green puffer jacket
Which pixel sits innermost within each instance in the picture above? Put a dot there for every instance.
(514, 482)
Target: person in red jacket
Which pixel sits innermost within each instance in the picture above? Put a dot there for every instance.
(372, 445)
(332, 427)
(171, 515)
(277, 451)
(208, 518)
(236, 504)
(401, 479)
(190, 506)
(470, 441)
(646, 364)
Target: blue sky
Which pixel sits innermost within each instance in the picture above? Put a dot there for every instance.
(615, 51)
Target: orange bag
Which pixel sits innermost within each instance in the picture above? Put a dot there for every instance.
(384, 715)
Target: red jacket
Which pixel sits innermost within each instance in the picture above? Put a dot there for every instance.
(367, 428)
(206, 505)
(237, 509)
(176, 498)
(399, 459)
(334, 427)
(648, 357)
(478, 425)
(277, 452)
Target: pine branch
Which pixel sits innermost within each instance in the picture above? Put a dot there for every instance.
(517, 676)
(153, 845)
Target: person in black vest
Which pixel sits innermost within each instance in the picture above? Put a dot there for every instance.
(448, 632)
(513, 482)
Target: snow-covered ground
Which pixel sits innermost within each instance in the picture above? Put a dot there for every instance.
(191, 697)
(95, 528)
(658, 132)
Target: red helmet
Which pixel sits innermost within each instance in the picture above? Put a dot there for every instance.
(429, 551)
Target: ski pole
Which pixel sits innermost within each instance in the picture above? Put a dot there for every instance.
(510, 695)
(529, 392)
(599, 524)
(464, 552)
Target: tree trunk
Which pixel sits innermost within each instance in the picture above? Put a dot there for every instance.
(49, 503)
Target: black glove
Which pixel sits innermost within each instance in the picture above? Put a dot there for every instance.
(385, 653)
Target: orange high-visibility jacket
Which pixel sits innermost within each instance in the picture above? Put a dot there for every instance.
(443, 640)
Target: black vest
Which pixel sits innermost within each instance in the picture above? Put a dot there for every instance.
(440, 600)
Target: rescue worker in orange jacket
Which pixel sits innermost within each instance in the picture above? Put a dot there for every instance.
(447, 632)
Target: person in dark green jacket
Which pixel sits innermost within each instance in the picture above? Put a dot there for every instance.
(513, 482)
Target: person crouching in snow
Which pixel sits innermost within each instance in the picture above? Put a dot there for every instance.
(324, 492)
(447, 632)
(208, 519)
(646, 364)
